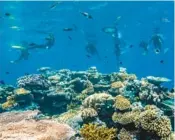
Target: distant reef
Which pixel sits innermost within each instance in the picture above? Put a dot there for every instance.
(87, 105)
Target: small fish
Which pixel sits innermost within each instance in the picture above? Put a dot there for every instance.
(54, 5)
(86, 15)
(2, 82)
(106, 56)
(7, 72)
(157, 51)
(7, 14)
(161, 61)
(70, 38)
(120, 63)
(26, 73)
(109, 30)
(131, 46)
(67, 29)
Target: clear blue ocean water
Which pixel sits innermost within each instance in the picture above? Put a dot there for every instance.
(29, 21)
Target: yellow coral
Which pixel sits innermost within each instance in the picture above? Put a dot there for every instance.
(8, 104)
(124, 135)
(117, 85)
(125, 118)
(94, 132)
(162, 126)
(88, 113)
(21, 91)
(152, 121)
(122, 103)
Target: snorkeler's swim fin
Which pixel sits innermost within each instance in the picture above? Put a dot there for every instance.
(18, 47)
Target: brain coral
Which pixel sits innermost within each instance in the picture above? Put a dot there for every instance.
(88, 114)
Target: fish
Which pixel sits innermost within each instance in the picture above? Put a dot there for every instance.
(161, 61)
(109, 30)
(67, 29)
(88, 56)
(2, 82)
(86, 15)
(7, 72)
(70, 38)
(7, 14)
(54, 5)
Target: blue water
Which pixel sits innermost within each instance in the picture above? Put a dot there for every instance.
(137, 22)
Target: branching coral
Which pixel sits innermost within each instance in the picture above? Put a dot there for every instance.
(122, 103)
(88, 114)
(153, 121)
(124, 135)
(125, 118)
(94, 132)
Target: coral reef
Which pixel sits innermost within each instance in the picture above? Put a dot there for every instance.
(95, 105)
(88, 114)
(124, 135)
(121, 103)
(94, 132)
(33, 81)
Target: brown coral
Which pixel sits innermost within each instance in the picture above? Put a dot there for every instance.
(124, 135)
(125, 118)
(122, 103)
(94, 132)
(117, 85)
(88, 114)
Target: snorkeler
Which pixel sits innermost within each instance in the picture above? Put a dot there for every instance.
(25, 48)
(144, 45)
(91, 49)
(157, 41)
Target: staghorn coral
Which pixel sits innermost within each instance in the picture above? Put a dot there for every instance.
(88, 114)
(124, 135)
(94, 132)
(122, 103)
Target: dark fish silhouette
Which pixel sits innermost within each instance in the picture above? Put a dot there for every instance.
(7, 72)
(91, 49)
(2, 82)
(67, 29)
(7, 14)
(86, 15)
(161, 61)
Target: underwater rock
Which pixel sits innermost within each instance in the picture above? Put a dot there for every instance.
(33, 81)
(157, 80)
(20, 125)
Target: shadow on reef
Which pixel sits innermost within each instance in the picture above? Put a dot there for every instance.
(117, 104)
